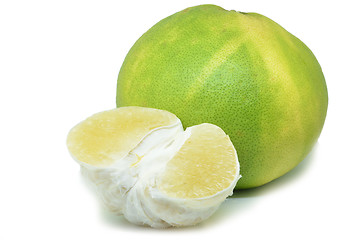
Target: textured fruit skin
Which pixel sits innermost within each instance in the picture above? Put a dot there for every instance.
(240, 71)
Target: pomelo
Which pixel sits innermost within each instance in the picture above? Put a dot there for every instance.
(146, 167)
(240, 71)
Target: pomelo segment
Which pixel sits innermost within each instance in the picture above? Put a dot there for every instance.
(108, 136)
(202, 167)
(146, 167)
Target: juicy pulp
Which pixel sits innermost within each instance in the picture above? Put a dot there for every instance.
(163, 176)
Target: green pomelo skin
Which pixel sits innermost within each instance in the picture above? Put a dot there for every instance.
(240, 71)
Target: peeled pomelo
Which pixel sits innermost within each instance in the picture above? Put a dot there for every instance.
(240, 71)
(146, 167)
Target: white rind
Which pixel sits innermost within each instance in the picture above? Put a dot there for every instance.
(129, 187)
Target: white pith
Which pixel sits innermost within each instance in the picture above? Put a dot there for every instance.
(129, 186)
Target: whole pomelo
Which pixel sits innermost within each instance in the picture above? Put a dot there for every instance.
(240, 71)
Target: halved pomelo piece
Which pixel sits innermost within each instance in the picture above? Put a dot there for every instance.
(205, 164)
(109, 136)
(146, 167)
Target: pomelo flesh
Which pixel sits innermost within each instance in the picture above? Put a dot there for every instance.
(240, 71)
(146, 167)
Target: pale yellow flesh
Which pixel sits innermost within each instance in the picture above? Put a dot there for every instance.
(205, 165)
(108, 136)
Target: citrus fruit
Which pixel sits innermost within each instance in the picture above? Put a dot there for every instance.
(146, 167)
(240, 71)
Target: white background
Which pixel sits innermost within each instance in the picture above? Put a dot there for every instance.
(59, 62)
